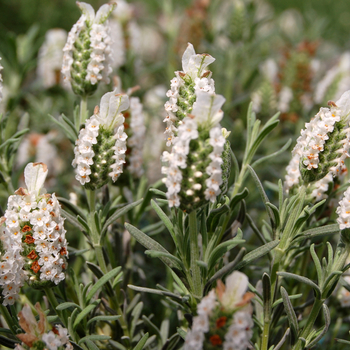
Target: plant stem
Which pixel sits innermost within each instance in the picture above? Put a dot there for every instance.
(195, 269)
(94, 234)
(83, 111)
(54, 303)
(310, 323)
(265, 335)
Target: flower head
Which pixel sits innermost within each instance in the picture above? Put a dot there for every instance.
(224, 317)
(101, 146)
(34, 247)
(86, 59)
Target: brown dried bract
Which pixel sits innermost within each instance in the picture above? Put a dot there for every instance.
(26, 228)
(63, 251)
(331, 104)
(43, 165)
(29, 239)
(32, 255)
(21, 191)
(35, 267)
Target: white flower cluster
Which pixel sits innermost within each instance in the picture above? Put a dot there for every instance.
(1, 67)
(217, 141)
(206, 113)
(124, 33)
(195, 337)
(50, 57)
(293, 176)
(137, 140)
(239, 328)
(109, 119)
(38, 331)
(119, 152)
(314, 136)
(187, 131)
(83, 150)
(34, 216)
(343, 211)
(68, 49)
(53, 340)
(193, 66)
(99, 66)
(340, 74)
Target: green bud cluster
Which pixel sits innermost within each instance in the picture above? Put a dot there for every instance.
(104, 150)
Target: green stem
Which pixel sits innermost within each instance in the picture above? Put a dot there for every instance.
(310, 323)
(54, 303)
(195, 269)
(265, 335)
(83, 111)
(94, 234)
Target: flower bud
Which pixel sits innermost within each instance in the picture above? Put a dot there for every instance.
(33, 243)
(101, 146)
(86, 59)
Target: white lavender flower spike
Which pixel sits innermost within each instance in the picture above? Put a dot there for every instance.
(33, 243)
(198, 162)
(224, 317)
(324, 144)
(50, 58)
(87, 53)
(101, 146)
(343, 211)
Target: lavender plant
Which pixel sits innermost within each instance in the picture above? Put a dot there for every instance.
(232, 261)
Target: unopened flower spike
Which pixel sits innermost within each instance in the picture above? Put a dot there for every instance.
(324, 143)
(224, 317)
(101, 146)
(199, 162)
(87, 53)
(184, 86)
(33, 243)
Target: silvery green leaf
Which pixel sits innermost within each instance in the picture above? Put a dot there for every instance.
(263, 194)
(103, 280)
(292, 318)
(266, 285)
(321, 332)
(165, 219)
(140, 345)
(104, 318)
(118, 214)
(85, 312)
(302, 279)
(257, 253)
(151, 244)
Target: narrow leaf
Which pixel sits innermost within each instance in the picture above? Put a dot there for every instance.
(85, 312)
(142, 342)
(151, 244)
(104, 279)
(303, 280)
(292, 318)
